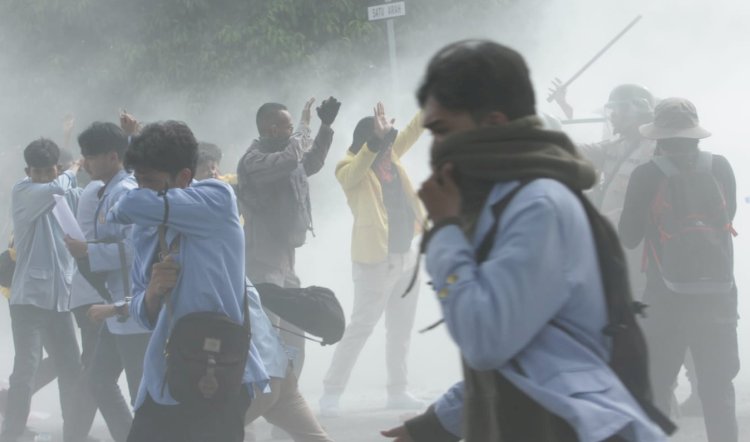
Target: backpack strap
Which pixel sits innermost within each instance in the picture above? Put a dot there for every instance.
(488, 241)
(485, 247)
(165, 250)
(705, 162)
(666, 165)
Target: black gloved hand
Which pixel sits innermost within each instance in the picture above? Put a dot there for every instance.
(328, 110)
(376, 144)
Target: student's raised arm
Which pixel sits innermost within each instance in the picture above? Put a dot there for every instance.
(32, 200)
(196, 210)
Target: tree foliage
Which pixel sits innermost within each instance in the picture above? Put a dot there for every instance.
(197, 44)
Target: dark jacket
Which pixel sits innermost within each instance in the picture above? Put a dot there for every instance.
(274, 195)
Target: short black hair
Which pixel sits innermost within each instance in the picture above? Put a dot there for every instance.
(41, 153)
(167, 146)
(102, 137)
(209, 152)
(66, 157)
(266, 112)
(479, 76)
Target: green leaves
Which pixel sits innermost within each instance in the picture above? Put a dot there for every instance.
(198, 45)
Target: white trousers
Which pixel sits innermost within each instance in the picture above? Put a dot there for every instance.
(377, 290)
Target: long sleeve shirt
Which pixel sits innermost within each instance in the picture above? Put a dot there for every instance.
(81, 292)
(212, 273)
(44, 268)
(275, 196)
(364, 194)
(449, 409)
(261, 166)
(104, 255)
(535, 309)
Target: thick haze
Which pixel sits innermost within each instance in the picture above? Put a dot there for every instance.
(690, 48)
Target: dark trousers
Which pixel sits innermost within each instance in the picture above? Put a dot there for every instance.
(113, 354)
(31, 326)
(714, 349)
(45, 374)
(86, 405)
(89, 333)
(179, 423)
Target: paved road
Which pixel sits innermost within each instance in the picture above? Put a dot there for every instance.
(363, 425)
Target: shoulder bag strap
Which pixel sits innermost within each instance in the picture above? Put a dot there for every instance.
(485, 247)
(488, 241)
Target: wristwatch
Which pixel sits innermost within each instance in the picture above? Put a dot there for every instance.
(123, 310)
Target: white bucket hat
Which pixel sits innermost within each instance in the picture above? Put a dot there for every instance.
(674, 118)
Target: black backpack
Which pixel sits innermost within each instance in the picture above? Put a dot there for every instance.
(693, 252)
(629, 357)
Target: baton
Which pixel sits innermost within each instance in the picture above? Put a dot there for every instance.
(596, 57)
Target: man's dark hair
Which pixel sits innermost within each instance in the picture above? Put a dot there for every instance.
(266, 113)
(102, 137)
(65, 158)
(479, 76)
(209, 152)
(41, 153)
(167, 146)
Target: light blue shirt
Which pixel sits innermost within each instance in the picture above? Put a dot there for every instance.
(543, 267)
(81, 292)
(44, 268)
(266, 339)
(212, 268)
(449, 409)
(104, 257)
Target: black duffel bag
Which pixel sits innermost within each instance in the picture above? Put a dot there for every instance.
(313, 309)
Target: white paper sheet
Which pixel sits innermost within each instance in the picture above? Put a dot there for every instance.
(66, 219)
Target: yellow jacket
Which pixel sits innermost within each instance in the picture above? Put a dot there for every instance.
(365, 195)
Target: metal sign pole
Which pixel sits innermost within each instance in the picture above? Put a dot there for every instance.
(389, 11)
(392, 54)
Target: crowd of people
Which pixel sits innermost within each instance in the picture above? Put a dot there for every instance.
(543, 256)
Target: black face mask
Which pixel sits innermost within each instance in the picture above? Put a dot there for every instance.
(274, 144)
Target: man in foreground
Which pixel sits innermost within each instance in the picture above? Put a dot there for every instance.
(513, 260)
